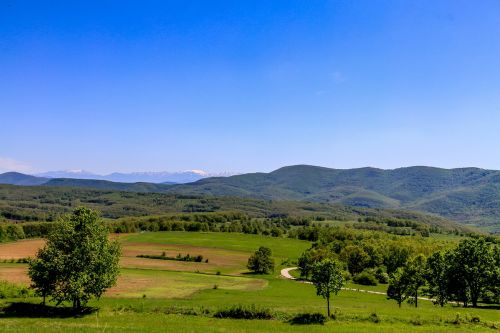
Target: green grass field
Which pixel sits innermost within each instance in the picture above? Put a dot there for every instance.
(160, 300)
(281, 247)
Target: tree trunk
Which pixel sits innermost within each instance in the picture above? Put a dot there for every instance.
(328, 306)
(416, 298)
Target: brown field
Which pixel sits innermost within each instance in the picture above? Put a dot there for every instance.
(15, 273)
(151, 277)
(21, 249)
(218, 259)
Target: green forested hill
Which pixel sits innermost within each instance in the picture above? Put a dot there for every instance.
(42, 203)
(469, 195)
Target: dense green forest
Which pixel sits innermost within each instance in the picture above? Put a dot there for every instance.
(39, 203)
(470, 196)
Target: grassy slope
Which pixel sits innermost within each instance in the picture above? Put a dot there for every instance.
(353, 309)
(281, 247)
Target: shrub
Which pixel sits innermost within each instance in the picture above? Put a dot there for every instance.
(365, 278)
(308, 319)
(416, 321)
(346, 275)
(374, 318)
(382, 276)
(244, 312)
(261, 261)
(179, 257)
(10, 290)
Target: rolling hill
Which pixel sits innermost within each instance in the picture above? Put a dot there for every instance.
(470, 196)
(47, 203)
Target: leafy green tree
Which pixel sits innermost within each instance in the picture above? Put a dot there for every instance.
(78, 261)
(436, 275)
(355, 258)
(495, 277)
(457, 289)
(398, 286)
(305, 264)
(42, 272)
(396, 256)
(414, 273)
(475, 265)
(327, 278)
(261, 261)
(310, 257)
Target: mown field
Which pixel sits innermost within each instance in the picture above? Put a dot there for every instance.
(167, 296)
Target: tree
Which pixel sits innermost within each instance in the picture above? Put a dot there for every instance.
(456, 287)
(310, 257)
(78, 261)
(495, 277)
(327, 278)
(436, 274)
(261, 261)
(42, 272)
(305, 264)
(396, 256)
(355, 258)
(474, 265)
(398, 286)
(414, 273)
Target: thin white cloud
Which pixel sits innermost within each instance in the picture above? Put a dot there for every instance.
(9, 164)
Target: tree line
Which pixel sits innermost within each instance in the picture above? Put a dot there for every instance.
(468, 273)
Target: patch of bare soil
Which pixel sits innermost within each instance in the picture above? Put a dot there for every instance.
(21, 249)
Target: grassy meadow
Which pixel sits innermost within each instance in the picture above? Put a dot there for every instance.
(167, 296)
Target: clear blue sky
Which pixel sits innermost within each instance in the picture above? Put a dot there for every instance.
(248, 85)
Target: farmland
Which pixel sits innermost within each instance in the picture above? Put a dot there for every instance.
(158, 295)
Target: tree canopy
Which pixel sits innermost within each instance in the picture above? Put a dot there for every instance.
(261, 261)
(327, 278)
(78, 261)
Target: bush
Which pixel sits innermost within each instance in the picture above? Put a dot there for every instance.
(179, 257)
(346, 276)
(382, 276)
(261, 261)
(308, 319)
(244, 312)
(10, 290)
(365, 278)
(374, 318)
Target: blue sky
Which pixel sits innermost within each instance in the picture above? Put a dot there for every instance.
(248, 86)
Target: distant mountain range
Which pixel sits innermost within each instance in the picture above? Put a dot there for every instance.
(135, 177)
(467, 195)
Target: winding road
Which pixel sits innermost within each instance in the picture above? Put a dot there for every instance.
(285, 272)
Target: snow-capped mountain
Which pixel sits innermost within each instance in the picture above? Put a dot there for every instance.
(187, 176)
(77, 173)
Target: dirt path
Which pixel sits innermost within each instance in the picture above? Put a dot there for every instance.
(285, 272)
